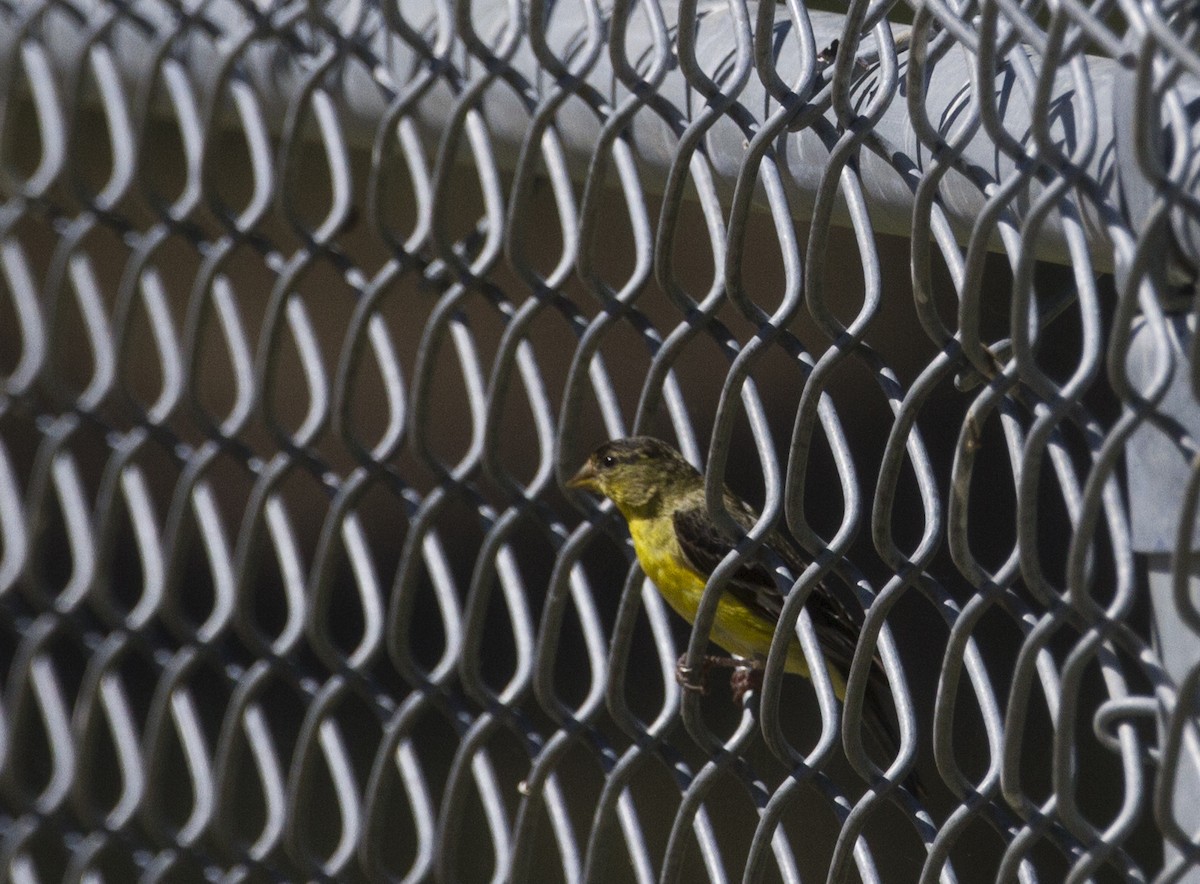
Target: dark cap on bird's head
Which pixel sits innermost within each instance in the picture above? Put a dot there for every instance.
(632, 471)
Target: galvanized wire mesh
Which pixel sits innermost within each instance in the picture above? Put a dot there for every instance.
(306, 311)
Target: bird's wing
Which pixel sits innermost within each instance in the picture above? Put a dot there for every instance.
(704, 545)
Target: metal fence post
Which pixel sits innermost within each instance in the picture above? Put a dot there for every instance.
(1160, 476)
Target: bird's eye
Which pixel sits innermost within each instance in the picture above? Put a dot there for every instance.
(608, 460)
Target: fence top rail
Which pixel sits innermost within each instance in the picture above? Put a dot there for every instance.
(1045, 113)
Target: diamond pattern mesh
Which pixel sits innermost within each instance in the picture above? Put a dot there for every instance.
(307, 310)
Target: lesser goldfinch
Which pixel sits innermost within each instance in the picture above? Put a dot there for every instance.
(661, 496)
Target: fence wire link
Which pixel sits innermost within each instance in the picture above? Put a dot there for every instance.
(307, 310)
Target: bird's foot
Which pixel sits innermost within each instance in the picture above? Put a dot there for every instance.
(747, 676)
(695, 678)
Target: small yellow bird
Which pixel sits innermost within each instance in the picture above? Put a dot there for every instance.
(661, 496)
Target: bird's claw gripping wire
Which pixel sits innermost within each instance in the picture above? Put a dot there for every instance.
(693, 678)
(747, 675)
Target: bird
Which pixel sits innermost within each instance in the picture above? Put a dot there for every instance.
(662, 499)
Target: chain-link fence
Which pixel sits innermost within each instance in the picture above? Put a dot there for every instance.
(308, 310)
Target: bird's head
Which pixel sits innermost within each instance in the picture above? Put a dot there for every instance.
(635, 473)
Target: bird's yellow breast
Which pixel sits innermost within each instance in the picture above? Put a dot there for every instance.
(661, 558)
(737, 628)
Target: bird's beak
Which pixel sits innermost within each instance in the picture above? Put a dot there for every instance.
(585, 478)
